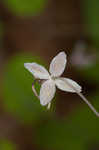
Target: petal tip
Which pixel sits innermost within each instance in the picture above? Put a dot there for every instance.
(63, 53)
(43, 104)
(25, 64)
(80, 89)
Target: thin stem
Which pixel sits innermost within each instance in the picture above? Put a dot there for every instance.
(84, 99)
(33, 88)
(89, 104)
(36, 94)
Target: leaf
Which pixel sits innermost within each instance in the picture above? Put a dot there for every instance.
(26, 7)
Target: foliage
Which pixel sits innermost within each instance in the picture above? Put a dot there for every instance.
(26, 7)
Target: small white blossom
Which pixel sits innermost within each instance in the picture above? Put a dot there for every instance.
(53, 80)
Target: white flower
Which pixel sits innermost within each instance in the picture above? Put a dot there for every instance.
(53, 80)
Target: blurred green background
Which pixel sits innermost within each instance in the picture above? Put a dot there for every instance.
(35, 31)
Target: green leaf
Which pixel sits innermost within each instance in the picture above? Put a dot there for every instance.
(26, 7)
(19, 98)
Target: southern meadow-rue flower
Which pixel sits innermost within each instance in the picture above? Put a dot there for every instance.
(52, 79)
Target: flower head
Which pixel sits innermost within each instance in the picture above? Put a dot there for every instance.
(52, 80)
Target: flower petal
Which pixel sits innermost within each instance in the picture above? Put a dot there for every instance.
(47, 92)
(58, 64)
(68, 85)
(37, 70)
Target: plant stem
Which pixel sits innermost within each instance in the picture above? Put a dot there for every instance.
(84, 99)
(33, 88)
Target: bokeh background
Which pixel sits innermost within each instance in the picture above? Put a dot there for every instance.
(35, 31)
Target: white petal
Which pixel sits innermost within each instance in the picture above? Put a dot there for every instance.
(47, 92)
(37, 70)
(68, 85)
(58, 64)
